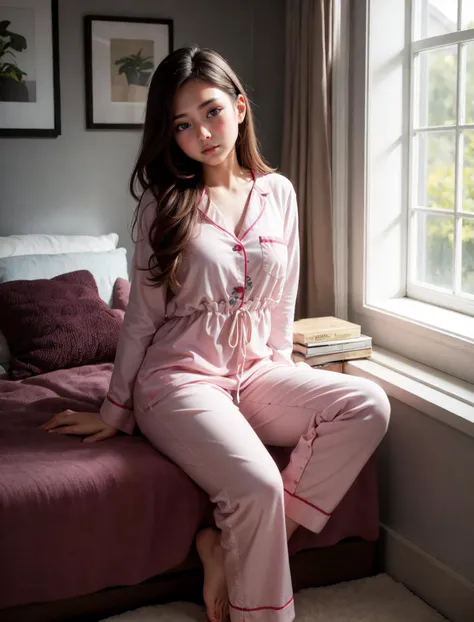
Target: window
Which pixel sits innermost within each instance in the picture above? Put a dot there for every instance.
(410, 257)
(441, 154)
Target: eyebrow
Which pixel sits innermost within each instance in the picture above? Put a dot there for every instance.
(203, 105)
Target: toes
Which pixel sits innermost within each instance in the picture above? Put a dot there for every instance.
(225, 611)
(217, 611)
(210, 614)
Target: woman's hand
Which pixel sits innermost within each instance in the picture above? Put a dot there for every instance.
(89, 425)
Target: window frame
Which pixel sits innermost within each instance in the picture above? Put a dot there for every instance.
(463, 303)
(440, 338)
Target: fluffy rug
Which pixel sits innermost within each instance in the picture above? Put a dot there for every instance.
(376, 599)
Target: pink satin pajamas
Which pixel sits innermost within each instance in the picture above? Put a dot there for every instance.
(207, 375)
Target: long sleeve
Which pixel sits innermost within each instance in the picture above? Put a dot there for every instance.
(145, 313)
(281, 335)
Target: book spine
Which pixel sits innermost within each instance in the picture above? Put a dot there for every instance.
(350, 341)
(334, 357)
(345, 333)
(336, 347)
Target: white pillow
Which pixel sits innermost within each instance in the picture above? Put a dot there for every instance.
(106, 268)
(42, 244)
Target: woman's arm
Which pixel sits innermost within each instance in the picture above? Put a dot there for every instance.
(145, 313)
(281, 335)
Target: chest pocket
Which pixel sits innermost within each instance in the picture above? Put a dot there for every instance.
(274, 255)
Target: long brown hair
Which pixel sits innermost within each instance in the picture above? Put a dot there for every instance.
(176, 180)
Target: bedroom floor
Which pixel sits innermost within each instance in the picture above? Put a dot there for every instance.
(376, 599)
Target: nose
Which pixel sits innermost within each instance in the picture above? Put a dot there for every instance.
(202, 132)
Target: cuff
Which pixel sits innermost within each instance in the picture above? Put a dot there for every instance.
(118, 416)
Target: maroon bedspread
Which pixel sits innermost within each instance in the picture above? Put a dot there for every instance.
(76, 518)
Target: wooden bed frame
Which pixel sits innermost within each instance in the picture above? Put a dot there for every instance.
(350, 559)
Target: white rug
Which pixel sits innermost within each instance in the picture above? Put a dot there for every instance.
(376, 599)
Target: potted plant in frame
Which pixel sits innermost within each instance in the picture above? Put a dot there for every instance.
(137, 68)
(12, 87)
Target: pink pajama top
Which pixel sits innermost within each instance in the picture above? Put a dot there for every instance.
(232, 316)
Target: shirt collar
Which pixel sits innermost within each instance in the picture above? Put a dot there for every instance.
(261, 183)
(261, 186)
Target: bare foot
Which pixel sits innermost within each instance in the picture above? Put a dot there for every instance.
(208, 544)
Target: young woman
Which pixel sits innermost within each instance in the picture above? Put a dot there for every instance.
(204, 359)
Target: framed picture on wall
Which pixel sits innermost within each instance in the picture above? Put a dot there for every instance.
(29, 68)
(121, 54)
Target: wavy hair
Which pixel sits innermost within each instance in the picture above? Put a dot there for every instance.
(175, 180)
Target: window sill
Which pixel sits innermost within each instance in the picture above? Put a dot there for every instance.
(443, 397)
(425, 333)
(449, 322)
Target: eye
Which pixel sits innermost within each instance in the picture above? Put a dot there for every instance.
(214, 112)
(181, 127)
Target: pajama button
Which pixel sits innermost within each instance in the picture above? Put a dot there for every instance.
(237, 247)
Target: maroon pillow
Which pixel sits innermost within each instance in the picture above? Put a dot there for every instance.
(56, 323)
(121, 294)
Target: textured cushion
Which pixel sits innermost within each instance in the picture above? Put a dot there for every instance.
(57, 323)
(105, 267)
(41, 244)
(121, 294)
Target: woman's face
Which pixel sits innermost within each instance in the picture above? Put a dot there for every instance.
(206, 122)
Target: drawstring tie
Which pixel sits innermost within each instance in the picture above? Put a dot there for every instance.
(240, 336)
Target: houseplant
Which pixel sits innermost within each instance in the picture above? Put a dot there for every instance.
(137, 68)
(12, 87)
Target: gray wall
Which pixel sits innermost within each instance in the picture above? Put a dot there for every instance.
(427, 486)
(77, 183)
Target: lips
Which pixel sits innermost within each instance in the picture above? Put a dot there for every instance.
(208, 149)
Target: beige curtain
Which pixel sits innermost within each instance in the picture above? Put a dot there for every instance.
(306, 151)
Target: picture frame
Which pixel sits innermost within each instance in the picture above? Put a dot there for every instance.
(121, 54)
(29, 69)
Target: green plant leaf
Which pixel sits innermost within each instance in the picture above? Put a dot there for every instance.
(18, 43)
(3, 27)
(11, 70)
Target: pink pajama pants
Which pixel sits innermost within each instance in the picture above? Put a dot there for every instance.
(333, 421)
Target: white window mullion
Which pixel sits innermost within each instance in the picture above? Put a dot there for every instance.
(440, 128)
(457, 270)
(452, 38)
(413, 150)
(438, 211)
(458, 166)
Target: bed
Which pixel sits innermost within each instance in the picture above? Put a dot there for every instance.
(82, 519)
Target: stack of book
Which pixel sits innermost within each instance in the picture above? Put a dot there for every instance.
(327, 340)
